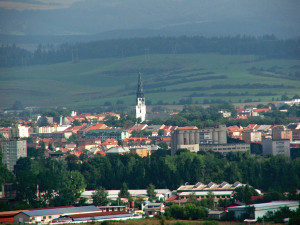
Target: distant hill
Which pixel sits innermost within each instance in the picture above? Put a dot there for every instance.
(167, 78)
(139, 18)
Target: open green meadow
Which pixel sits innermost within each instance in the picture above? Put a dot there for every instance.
(167, 79)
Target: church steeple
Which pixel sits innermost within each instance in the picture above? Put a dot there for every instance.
(140, 101)
(140, 93)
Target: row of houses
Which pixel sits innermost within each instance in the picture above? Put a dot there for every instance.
(255, 132)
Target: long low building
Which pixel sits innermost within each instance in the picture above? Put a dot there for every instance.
(261, 209)
(201, 191)
(113, 194)
(226, 148)
(69, 213)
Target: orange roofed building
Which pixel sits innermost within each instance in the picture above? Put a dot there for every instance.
(110, 143)
(234, 132)
(98, 126)
(76, 152)
(136, 140)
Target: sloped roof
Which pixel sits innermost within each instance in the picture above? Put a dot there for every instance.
(211, 186)
(188, 128)
(57, 211)
(96, 127)
(118, 150)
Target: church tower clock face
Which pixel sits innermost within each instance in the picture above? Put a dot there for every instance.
(140, 108)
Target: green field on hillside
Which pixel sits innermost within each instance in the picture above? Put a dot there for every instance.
(172, 79)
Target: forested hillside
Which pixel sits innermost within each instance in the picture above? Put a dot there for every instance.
(266, 46)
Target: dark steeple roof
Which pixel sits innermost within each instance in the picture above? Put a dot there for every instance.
(140, 93)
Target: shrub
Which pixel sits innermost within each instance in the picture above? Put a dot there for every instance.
(212, 222)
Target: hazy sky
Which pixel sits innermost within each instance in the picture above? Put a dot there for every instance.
(21, 5)
(211, 17)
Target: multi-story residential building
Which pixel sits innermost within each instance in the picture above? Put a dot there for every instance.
(12, 150)
(235, 132)
(250, 136)
(280, 132)
(103, 134)
(23, 132)
(276, 147)
(192, 138)
(295, 128)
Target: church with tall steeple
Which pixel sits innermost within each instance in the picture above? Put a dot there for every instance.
(140, 108)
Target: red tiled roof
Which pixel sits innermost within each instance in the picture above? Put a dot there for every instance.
(96, 127)
(188, 128)
(242, 117)
(176, 200)
(110, 141)
(262, 110)
(101, 152)
(46, 140)
(164, 139)
(172, 198)
(76, 152)
(234, 128)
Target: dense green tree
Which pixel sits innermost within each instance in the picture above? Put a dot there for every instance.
(5, 175)
(73, 137)
(151, 192)
(71, 185)
(189, 211)
(73, 162)
(100, 197)
(26, 181)
(244, 193)
(124, 193)
(163, 146)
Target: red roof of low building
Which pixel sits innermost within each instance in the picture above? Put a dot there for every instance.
(98, 214)
(47, 140)
(262, 110)
(176, 200)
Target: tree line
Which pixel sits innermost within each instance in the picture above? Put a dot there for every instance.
(266, 46)
(43, 181)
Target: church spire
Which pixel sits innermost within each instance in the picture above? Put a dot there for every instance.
(140, 101)
(140, 93)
